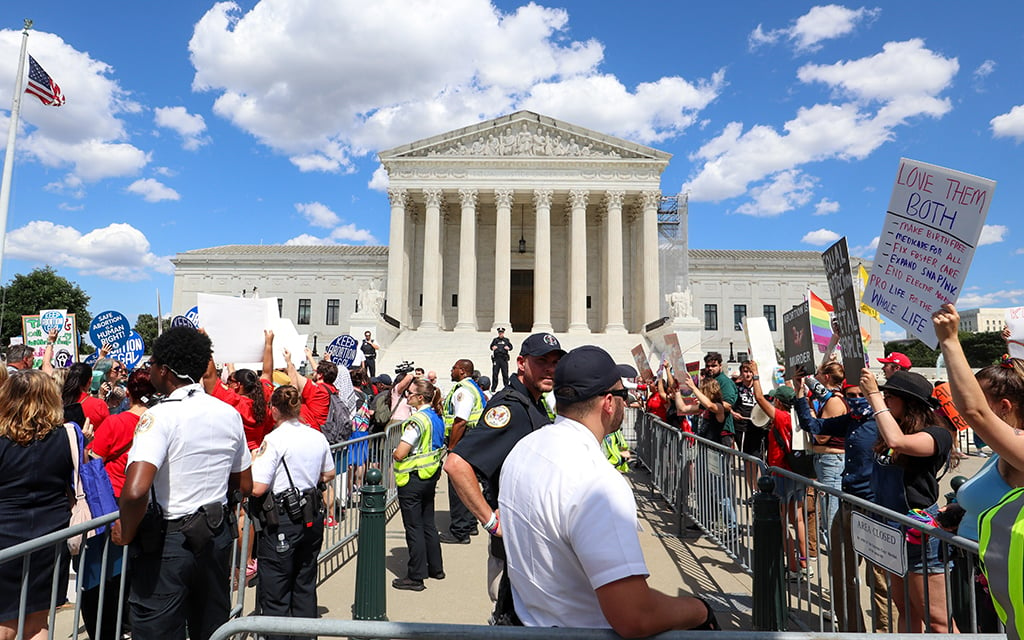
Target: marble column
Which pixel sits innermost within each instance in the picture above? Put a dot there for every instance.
(467, 261)
(431, 315)
(578, 261)
(398, 300)
(542, 262)
(613, 256)
(503, 259)
(649, 257)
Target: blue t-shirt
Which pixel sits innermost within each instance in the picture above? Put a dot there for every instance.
(983, 490)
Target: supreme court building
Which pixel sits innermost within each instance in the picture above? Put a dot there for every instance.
(524, 222)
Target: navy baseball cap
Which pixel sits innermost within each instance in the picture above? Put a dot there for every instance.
(541, 344)
(587, 372)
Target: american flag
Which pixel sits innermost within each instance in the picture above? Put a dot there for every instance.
(42, 86)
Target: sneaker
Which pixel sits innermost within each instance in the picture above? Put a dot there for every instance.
(437, 575)
(408, 584)
(475, 531)
(448, 538)
(250, 568)
(330, 522)
(804, 574)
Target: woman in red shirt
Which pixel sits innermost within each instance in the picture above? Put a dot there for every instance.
(114, 438)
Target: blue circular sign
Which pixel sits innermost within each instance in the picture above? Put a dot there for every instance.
(92, 358)
(343, 350)
(183, 321)
(50, 320)
(193, 316)
(132, 351)
(110, 327)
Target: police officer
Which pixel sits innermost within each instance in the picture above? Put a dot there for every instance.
(369, 349)
(501, 347)
(188, 454)
(512, 413)
(417, 469)
(463, 407)
(286, 469)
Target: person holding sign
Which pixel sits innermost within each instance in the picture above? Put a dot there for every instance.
(908, 456)
(992, 402)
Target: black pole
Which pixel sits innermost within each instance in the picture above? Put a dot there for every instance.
(769, 612)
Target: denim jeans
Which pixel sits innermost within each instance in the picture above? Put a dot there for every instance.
(829, 468)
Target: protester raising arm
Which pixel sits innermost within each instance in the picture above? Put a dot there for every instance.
(920, 444)
(766, 404)
(718, 409)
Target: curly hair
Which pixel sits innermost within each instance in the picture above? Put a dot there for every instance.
(328, 371)
(252, 389)
(29, 407)
(184, 351)
(711, 388)
(287, 401)
(1005, 382)
(76, 382)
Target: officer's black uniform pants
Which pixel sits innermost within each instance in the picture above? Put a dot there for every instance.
(462, 522)
(371, 366)
(500, 365)
(176, 587)
(416, 500)
(288, 578)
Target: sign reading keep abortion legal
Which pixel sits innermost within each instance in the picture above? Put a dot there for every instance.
(931, 229)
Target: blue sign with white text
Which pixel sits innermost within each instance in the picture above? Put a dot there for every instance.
(110, 327)
(342, 350)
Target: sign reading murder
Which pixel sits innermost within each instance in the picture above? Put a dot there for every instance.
(110, 327)
(65, 350)
(642, 366)
(879, 543)
(343, 350)
(845, 307)
(796, 328)
(931, 229)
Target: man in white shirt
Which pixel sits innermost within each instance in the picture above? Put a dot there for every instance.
(569, 518)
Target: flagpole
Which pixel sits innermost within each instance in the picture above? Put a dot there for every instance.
(159, 315)
(12, 135)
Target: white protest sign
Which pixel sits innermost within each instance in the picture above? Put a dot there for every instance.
(286, 337)
(761, 349)
(236, 325)
(1015, 321)
(879, 543)
(931, 229)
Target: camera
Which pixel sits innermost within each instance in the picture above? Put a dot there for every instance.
(405, 366)
(292, 501)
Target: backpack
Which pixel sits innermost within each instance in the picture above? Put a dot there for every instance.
(338, 426)
(381, 405)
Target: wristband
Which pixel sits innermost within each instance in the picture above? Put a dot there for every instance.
(875, 414)
(492, 525)
(871, 393)
(756, 378)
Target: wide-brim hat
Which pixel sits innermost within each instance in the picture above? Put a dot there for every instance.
(911, 385)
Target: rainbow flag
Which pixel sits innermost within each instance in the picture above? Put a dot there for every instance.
(821, 324)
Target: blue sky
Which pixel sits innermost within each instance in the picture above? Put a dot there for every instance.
(192, 124)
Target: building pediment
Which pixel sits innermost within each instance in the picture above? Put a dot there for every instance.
(525, 135)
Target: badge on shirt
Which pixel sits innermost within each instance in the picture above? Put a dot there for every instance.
(259, 452)
(145, 423)
(497, 417)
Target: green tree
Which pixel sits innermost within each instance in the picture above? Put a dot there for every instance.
(984, 348)
(920, 354)
(146, 326)
(41, 289)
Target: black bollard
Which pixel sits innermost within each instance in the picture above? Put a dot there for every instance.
(371, 599)
(768, 563)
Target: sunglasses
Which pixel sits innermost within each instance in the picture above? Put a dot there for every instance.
(619, 393)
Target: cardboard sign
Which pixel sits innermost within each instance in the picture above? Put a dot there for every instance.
(65, 350)
(943, 394)
(675, 352)
(131, 353)
(879, 543)
(1015, 321)
(931, 229)
(110, 327)
(343, 350)
(845, 307)
(642, 366)
(796, 329)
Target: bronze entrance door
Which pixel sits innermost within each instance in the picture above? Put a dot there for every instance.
(521, 302)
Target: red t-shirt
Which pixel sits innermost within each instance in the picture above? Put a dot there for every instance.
(254, 431)
(657, 406)
(94, 409)
(316, 400)
(782, 423)
(116, 435)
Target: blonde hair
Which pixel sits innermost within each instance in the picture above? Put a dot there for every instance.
(30, 407)
(287, 401)
(711, 388)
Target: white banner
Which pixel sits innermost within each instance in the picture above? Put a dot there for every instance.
(1015, 321)
(236, 325)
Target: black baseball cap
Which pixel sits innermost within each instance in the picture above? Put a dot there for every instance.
(541, 344)
(587, 372)
(501, 329)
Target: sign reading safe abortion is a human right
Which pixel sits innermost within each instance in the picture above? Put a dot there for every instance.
(931, 229)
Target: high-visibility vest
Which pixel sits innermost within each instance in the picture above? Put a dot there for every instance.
(423, 459)
(613, 444)
(1001, 546)
(475, 412)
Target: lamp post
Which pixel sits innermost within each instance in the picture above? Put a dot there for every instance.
(732, 355)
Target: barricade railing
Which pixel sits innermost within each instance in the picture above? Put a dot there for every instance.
(99, 590)
(708, 485)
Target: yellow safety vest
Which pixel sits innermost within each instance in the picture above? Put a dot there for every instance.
(422, 459)
(475, 412)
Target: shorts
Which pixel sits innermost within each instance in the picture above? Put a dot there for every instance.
(788, 490)
(754, 441)
(931, 558)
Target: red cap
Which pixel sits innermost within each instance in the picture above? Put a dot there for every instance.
(898, 359)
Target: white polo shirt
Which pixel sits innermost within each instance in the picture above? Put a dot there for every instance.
(195, 441)
(462, 402)
(569, 524)
(306, 450)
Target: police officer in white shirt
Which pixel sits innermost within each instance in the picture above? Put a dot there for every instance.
(188, 455)
(286, 470)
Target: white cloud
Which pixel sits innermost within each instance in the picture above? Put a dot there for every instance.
(1014, 297)
(88, 135)
(1010, 124)
(821, 23)
(189, 126)
(784, 191)
(317, 214)
(992, 233)
(888, 335)
(985, 69)
(883, 91)
(866, 252)
(118, 251)
(825, 207)
(380, 179)
(1019, 251)
(820, 237)
(387, 72)
(153, 190)
(345, 234)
